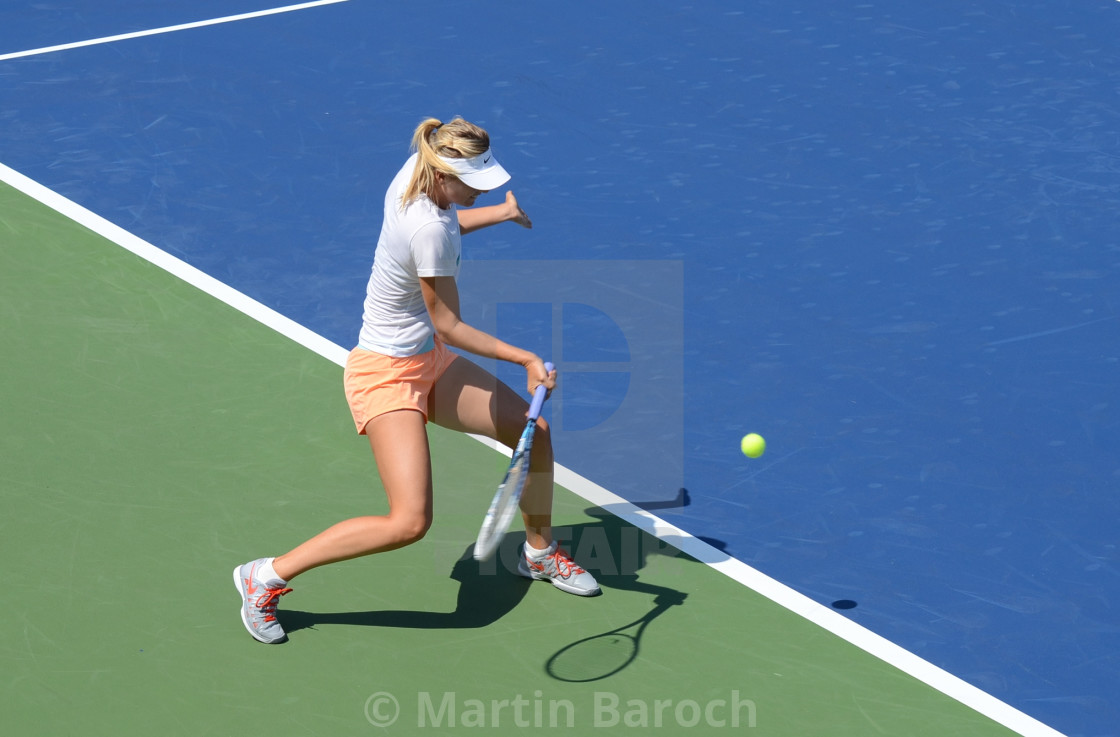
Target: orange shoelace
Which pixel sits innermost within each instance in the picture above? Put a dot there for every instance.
(565, 566)
(267, 602)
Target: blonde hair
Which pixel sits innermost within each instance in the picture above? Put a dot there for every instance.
(456, 139)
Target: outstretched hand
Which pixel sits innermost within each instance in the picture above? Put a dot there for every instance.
(514, 212)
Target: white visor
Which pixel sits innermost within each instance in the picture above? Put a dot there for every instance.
(480, 172)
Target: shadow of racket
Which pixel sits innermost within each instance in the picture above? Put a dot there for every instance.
(601, 656)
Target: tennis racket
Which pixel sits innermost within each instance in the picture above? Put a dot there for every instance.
(504, 504)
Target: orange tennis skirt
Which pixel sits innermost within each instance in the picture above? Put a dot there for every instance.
(376, 383)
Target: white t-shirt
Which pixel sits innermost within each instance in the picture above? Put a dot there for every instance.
(419, 240)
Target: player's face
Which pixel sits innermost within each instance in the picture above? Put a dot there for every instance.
(453, 189)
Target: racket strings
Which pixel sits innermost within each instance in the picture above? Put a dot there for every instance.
(514, 480)
(502, 509)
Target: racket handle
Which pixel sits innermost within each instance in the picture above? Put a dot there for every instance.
(539, 395)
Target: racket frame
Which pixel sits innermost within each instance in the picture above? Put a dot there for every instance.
(506, 498)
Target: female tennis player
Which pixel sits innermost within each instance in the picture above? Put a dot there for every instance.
(401, 374)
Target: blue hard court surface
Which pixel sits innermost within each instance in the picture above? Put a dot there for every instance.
(894, 225)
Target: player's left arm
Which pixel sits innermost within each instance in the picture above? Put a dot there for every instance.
(474, 218)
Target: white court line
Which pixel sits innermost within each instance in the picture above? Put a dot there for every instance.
(737, 570)
(167, 29)
(178, 267)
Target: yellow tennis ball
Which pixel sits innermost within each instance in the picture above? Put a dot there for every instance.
(752, 445)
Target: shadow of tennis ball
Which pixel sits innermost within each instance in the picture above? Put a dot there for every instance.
(844, 604)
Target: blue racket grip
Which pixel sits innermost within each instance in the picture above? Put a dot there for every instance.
(539, 395)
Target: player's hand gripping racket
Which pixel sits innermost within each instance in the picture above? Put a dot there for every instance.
(505, 501)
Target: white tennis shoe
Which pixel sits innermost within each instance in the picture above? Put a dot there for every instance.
(258, 603)
(558, 568)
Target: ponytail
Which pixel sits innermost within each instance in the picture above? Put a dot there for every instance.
(432, 139)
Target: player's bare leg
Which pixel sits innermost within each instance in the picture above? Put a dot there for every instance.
(468, 398)
(400, 447)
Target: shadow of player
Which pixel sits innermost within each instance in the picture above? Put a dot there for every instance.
(611, 549)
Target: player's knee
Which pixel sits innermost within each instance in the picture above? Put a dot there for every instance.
(412, 528)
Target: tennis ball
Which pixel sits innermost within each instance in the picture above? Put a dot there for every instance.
(752, 445)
